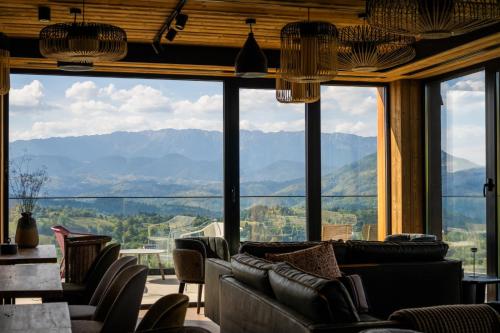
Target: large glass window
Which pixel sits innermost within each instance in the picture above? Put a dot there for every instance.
(140, 160)
(463, 168)
(272, 168)
(349, 162)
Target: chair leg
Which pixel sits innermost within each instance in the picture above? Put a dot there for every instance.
(200, 290)
(181, 287)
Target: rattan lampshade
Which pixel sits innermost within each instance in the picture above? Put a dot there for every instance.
(4, 65)
(295, 92)
(432, 19)
(364, 48)
(309, 51)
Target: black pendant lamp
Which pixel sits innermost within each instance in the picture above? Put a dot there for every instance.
(251, 62)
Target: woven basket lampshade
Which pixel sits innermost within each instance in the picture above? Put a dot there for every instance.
(364, 48)
(4, 65)
(295, 92)
(83, 42)
(309, 51)
(432, 19)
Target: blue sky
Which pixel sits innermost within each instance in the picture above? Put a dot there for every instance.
(58, 106)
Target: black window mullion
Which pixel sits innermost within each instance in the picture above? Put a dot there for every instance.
(231, 165)
(313, 170)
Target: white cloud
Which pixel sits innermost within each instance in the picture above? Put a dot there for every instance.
(350, 100)
(203, 104)
(28, 96)
(138, 98)
(293, 126)
(469, 85)
(81, 90)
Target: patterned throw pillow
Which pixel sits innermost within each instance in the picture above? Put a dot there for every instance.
(319, 260)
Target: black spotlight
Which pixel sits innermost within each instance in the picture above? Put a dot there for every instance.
(180, 21)
(171, 34)
(44, 14)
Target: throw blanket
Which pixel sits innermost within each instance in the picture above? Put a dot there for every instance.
(470, 318)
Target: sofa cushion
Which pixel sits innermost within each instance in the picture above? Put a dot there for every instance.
(321, 300)
(383, 252)
(252, 271)
(260, 249)
(356, 289)
(410, 238)
(319, 260)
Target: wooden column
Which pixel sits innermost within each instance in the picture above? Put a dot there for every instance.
(407, 157)
(3, 173)
(382, 195)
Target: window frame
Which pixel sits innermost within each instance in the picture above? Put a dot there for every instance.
(231, 199)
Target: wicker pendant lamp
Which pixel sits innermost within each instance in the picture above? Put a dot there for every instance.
(364, 48)
(432, 19)
(4, 65)
(294, 92)
(309, 51)
(83, 42)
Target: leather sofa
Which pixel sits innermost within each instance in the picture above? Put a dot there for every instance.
(395, 276)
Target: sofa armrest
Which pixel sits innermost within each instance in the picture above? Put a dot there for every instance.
(353, 327)
(214, 269)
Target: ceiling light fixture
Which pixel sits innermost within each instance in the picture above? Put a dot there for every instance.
(294, 92)
(4, 65)
(364, 48)
(75, 66)
(251, 62)
(44, 14)
(180, 21)
(309, 51)
(432, 19)
(83, 42)
(170, 35)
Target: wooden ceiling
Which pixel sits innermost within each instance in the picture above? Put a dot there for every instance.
(220, 23)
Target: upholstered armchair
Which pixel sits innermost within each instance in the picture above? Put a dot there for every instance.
(189, 260)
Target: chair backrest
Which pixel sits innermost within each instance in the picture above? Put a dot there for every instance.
(60, 233)
(118, 309)
(116, 268)
(336, 231)
(81, 253)
(169, 311)
(101, 264)
(369, 232)
(209, 247)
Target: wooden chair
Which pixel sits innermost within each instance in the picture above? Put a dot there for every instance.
(86, 312)
(336, 231)
(83, 249)
(369, 232)
(119, 308)
(167, 312)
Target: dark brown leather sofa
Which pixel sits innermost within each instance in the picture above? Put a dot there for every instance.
(395, 276)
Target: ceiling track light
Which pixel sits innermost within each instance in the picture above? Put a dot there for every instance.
(170, 35)
(44, 14)
(250, 62)
(180, 21)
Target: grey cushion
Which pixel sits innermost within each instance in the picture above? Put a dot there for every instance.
(81, 312)
(85, 326)
(252, 271)
(319, 299)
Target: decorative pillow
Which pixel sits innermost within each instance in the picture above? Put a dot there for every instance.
(321, 300)
(354, 285)
(319, 260)
(252, 271)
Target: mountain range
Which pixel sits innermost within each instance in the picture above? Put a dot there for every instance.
(173, 162)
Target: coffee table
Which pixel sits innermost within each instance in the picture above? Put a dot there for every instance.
(474, 287)
(140, 252)
(39, 254)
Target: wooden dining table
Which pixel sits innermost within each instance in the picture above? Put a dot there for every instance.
(30, 280)
(37, 255)
(35, 318)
